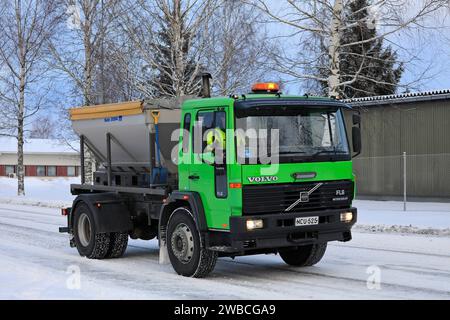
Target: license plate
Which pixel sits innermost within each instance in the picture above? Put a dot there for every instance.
(306, 221)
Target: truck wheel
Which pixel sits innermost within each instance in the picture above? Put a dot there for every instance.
(303, 256)
(188, 257)
(89, 243)
(117, 244)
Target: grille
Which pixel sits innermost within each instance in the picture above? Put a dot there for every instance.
(276, 198)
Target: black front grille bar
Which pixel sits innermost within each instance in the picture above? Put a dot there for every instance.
(276, 198)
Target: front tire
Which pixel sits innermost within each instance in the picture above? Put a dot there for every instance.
(187, 255)
(303, 256)
(89, 243)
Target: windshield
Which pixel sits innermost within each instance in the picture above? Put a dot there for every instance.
(307, 134)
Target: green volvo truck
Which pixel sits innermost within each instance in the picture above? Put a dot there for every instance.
(274, 177)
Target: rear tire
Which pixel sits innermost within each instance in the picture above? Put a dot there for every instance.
(117, 245)
(304, 256)
(187, 254)
(89, 243)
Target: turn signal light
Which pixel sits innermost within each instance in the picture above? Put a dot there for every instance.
(235, 185)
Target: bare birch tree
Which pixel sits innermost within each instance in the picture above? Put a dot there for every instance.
(26, 26)
(237, 48)
(322, 23)
(79, 53)
(170, 38)
(79, 49)
(42, 128)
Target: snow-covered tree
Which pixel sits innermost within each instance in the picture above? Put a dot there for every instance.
(26, 26)
(324, 23)
(378, 66)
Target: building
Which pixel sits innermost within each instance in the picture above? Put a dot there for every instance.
(415, 123)
(42, 158)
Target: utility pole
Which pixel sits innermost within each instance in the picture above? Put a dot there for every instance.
(404, 181)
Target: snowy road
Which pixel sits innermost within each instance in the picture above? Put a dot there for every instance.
(36, 263)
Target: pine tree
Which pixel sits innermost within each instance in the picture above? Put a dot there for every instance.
(172, 75)
(164, 70)
(380, 72)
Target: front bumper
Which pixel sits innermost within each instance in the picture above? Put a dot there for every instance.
(280, 231)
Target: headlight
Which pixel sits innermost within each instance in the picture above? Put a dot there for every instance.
(347, 217)
(255, 224)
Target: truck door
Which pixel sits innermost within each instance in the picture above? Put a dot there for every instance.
(208, 174)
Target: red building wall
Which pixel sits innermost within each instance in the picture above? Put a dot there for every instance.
(30, 171)
(61, 171)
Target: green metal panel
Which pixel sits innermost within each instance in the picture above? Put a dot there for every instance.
(422, 130)
(325, 171)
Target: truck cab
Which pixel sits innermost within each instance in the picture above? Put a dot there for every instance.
(280, 179)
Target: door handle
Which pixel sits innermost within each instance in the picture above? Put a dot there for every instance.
(194, 177)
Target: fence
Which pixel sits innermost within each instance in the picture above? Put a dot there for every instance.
(421, 176)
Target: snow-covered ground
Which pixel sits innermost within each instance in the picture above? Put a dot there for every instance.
(420, 214)
(388, 216)
(36, 261)
(48, 192)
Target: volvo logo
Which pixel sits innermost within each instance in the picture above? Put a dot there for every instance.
(304, 197)
(262, 179)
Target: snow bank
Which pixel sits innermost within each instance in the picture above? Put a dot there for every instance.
(428, 218)
(402, 229)
(43, 192)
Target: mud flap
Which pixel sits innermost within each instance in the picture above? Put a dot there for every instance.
(163, 253)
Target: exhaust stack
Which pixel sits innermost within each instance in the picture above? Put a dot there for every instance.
(206, 85)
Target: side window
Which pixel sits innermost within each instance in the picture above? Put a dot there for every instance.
(220, 120)
(51, 171)
(186, 132)
(40, 171)
(205, 122)
(10, 170)
(71, 171)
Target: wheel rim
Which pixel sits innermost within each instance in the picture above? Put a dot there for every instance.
(84, 229)
(182, 243)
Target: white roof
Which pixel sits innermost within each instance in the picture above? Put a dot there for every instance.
(36, 146)
(404, 97)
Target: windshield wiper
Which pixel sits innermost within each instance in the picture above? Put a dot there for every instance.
(335, 152)
(292, 152)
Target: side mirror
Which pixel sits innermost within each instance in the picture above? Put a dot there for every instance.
(356, 119)
(356, 134)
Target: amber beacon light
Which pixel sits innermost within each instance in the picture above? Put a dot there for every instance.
(266, 87)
